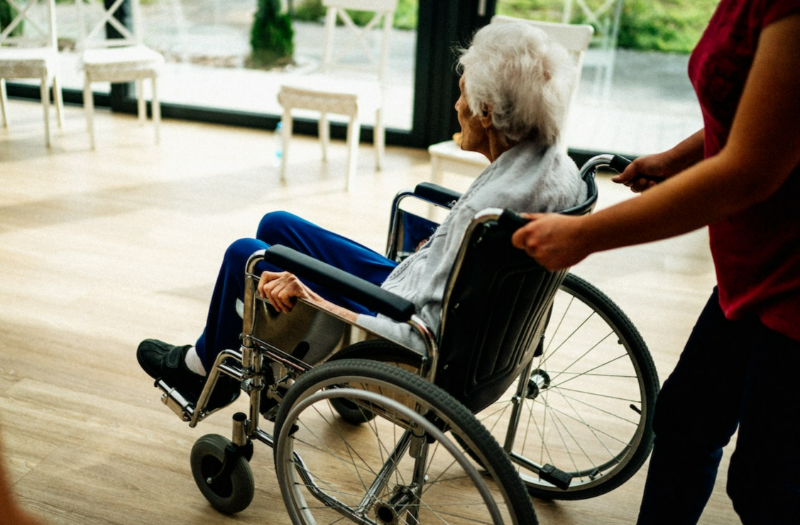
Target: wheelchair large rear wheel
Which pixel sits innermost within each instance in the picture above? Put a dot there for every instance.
(586, 405)
(391, 469)
(374, 350)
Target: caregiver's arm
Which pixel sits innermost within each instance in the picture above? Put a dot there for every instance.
(762, 149)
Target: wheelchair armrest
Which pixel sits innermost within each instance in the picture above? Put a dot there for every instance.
(338, 281)
(437, 194)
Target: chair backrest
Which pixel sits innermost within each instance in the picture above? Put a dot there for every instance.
(605, 17)
(574, 37)
(358, 54)
(495, 309)
(94, 16)
(33, 24)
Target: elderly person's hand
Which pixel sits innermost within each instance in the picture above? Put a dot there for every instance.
(552, 239)
(282, 289)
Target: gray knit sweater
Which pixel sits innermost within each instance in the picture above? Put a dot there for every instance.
(525, 178)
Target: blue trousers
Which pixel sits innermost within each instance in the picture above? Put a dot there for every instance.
(224, 325)
(731, 374)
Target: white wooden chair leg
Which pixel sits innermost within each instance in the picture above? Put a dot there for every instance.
(353, 137)
(58, 99)
(88, 106)
(141, 109)
(45, 94)
(3, 102)
(286, 138)
(156, 105)
(379, 139)
(324, 134)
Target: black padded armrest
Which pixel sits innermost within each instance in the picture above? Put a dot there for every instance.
(438, 194)
(363, 292)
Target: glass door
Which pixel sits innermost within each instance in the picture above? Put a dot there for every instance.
(634, 97)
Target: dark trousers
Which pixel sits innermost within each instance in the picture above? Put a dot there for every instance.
(732, 374)
(224, 324)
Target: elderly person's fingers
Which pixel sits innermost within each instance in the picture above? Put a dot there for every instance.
(550, 238)
(281, 290)
(265, 278)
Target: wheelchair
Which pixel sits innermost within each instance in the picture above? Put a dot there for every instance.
(536, 383)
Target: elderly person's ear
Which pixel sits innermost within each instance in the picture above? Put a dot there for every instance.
(485, 117)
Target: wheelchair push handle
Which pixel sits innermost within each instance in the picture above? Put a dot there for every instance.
(511, 220)
(618, 163)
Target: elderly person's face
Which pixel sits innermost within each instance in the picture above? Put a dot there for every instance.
(474, 136)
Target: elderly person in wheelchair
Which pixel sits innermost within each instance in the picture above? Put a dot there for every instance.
(515, 86)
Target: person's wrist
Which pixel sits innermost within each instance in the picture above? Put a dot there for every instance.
(588, 234)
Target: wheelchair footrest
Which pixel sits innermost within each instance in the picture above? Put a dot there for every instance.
(557, 477)
(175, 401)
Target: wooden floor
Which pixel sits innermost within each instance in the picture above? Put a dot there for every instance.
(101, 249)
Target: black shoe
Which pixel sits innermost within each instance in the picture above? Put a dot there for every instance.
(166, 362)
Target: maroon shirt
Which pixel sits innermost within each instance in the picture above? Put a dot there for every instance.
(757, 251)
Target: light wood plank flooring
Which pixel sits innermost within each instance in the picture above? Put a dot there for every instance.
(100, 249)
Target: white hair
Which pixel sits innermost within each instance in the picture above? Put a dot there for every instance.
(524, 77)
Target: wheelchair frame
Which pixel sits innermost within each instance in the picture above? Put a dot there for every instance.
(259, 356)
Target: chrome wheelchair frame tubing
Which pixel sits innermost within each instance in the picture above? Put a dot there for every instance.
(182, 407)
(394, 226)
(411, 438)
(598, 161)
(388, 477)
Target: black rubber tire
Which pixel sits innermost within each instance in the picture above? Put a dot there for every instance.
(394, 383)
(374, 349)
(231, 494)
(637, 358)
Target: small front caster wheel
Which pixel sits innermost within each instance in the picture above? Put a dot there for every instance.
(229, 490)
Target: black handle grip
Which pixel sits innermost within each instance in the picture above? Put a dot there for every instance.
(338, 281)
(511, 220)
(619, 163)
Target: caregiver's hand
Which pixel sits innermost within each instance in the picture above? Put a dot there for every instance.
(554, 240)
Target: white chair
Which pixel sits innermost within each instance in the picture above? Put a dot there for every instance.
(448, 156)
(123, 59)
(359, 88)
(605, 17)
(33, 54)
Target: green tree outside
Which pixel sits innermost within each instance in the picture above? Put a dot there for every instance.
(645, 25)
(272, 36)
(405, 16)
(7, 14)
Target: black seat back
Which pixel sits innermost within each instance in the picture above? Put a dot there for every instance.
(495, 308)
(495, 311)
